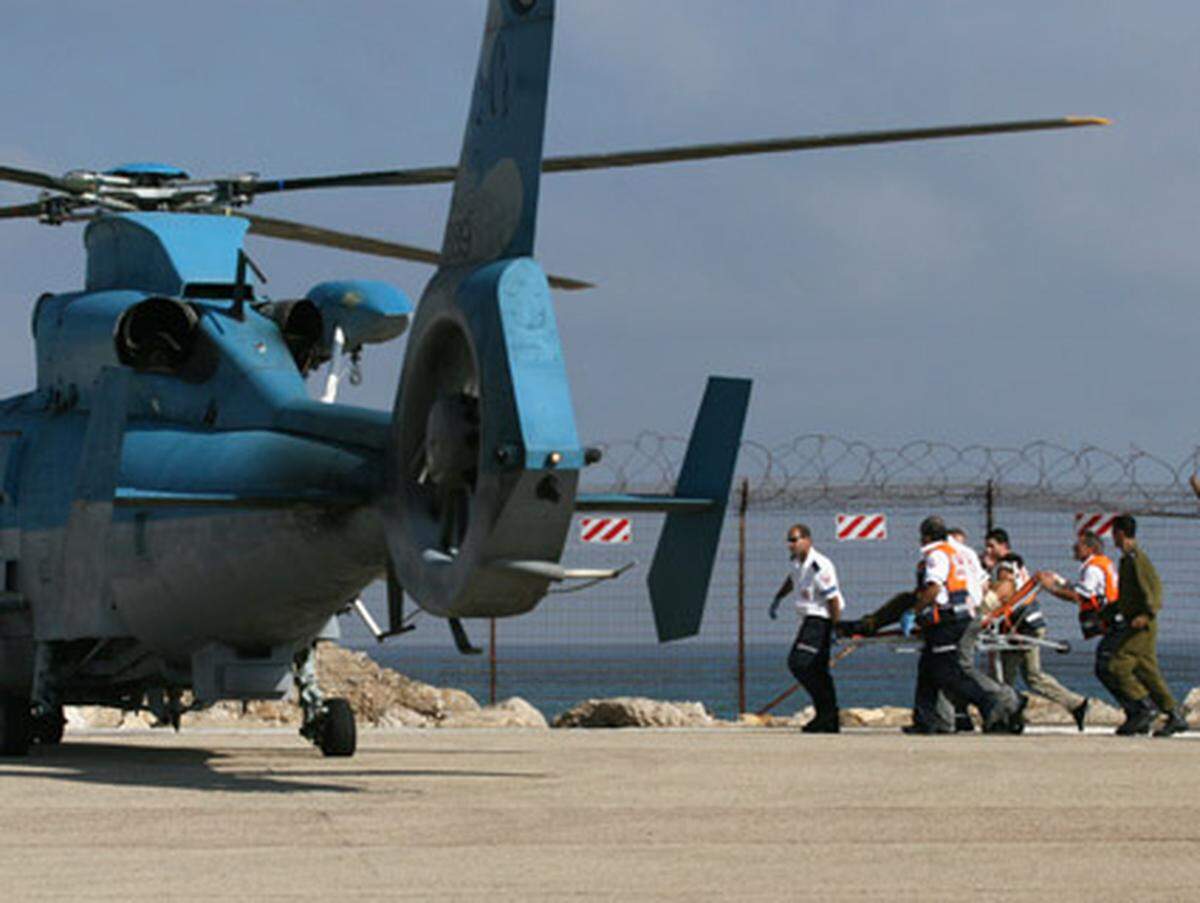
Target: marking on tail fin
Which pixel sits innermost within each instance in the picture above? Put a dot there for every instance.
(494, 208)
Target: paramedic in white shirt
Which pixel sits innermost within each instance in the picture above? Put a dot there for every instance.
(812, 583)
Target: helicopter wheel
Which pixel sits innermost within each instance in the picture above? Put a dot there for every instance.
(16, 726)
(337, 734)
(48, 729)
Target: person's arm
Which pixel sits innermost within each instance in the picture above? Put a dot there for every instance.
(773, 611)
(1004, 586)
(1146, 598)
(1058, 587)
(1149, 583)
(927, 595)
(935, 573)
(831, 595)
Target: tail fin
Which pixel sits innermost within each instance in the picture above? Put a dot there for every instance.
(494, 208)
(683, 562)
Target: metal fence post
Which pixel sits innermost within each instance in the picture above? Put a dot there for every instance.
(989, 501)
(492, 662)
(741, 595)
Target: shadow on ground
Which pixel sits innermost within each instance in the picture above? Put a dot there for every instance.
(244, 770)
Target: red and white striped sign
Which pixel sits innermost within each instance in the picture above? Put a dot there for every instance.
(861, 526)
(1099, 522)
(605, 529)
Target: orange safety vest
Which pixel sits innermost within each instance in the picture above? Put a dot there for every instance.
(1090, 620)
(956, 581)
(1095, 603)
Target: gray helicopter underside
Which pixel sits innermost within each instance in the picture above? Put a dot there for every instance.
(258, 583)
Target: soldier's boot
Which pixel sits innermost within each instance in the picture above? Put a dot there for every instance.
(1139, 716)
(1175, 723)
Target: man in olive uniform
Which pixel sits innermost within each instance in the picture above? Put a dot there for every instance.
(1134, 664)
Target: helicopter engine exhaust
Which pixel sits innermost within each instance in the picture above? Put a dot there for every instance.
(303, 329)
(157, 335)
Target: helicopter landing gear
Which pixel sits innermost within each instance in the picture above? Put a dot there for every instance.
(46, 721)
(328, 723)
(166, 705)
(16, 726)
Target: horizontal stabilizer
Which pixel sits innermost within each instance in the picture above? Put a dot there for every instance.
(637, 501)
(683, 562)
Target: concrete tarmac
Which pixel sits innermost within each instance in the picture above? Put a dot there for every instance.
(730, 814)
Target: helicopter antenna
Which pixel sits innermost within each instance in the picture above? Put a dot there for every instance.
(240, 287)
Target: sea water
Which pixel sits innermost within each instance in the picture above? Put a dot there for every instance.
(555, 676)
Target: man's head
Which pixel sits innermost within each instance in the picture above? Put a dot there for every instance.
(997, 543)
(1124, 528)
(932, 529)
(1087, 544)
(958, 534)
(799, 540)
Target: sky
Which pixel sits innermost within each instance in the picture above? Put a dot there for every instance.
(991, 290)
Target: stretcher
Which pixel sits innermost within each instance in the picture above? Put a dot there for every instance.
(997, 635)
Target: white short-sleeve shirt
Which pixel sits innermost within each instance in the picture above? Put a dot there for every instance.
(814, 584)
(1091, 580)
(977, 577)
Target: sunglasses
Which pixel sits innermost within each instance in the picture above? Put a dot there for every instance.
(792, 539)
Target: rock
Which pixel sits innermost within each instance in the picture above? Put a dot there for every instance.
(802, 717)
(634, 711)
(885, 716)
(514, 712)
(1044, 712)
(748, 719)
(378, 696)
(1102, 714)
(96, 716)
(374, 691)
(1191, 707)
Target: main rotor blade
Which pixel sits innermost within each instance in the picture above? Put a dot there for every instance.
(29, 177)
(431, 175)
(20, 210)
(807, 142)
(314, 235)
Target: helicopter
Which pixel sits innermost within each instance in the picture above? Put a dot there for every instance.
(181, 523)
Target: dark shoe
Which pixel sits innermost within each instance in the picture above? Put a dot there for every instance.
(1139, 718)
(963, 724)
(1175, 724)
(822, 724)
(1079, 713)
(922, 729)
(1016, 721)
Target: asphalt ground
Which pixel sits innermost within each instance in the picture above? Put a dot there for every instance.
(731, 814)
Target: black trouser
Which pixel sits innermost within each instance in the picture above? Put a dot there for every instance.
(939, 669)
(809, 663)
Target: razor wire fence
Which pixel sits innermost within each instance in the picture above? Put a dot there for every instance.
(600, 643)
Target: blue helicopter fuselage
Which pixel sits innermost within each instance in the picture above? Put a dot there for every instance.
(175, 504)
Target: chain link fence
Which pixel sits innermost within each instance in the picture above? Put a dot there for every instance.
(600, 642)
